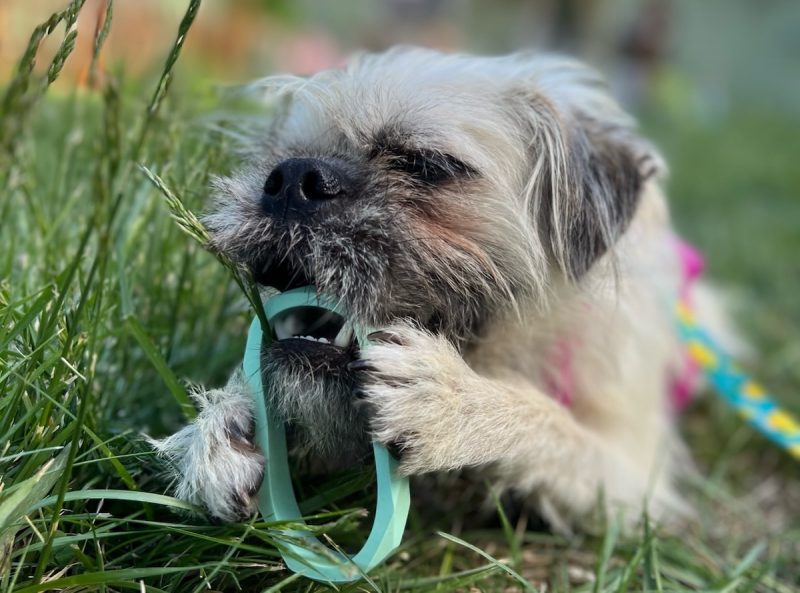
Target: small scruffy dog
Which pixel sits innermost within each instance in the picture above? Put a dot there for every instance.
(502, 223)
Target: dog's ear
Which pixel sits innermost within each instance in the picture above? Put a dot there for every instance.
(594, 195)
(588, 165)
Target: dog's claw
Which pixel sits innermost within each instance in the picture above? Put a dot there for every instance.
(238, 434)
(360, 365)
(395, 450)
(386, 337)
(244, 504)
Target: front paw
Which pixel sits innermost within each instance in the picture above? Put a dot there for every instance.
(412, 383)
(214, 461)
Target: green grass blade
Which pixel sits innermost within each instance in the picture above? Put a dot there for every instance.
(504, 567)
(166, 374)
(109, 577)
(137, 496)
(28, 494)
(609, 543)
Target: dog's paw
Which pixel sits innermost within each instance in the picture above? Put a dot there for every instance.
(214, 461)
(413, 383)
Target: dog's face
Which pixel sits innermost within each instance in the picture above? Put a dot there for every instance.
(445, 189)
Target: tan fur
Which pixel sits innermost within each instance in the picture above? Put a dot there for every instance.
(508, 254)
(487, 411)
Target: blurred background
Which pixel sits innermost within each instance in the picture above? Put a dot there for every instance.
(715, 83)
(706, 57)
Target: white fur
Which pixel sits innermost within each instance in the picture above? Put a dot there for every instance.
(518, 120)
(212, 469)
(617, 437)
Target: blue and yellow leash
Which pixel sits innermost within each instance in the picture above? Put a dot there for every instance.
(743, 394)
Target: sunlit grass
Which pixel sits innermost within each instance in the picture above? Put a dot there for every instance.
(107, 307)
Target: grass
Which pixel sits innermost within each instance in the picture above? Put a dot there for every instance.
(106, 304)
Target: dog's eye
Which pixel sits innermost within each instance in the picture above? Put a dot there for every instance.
(429, 168)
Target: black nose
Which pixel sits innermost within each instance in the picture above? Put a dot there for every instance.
(301, 185)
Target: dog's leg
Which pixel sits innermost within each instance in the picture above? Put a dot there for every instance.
(445, 416)
(214, 461)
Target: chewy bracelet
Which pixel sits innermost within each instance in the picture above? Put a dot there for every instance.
(276, 498)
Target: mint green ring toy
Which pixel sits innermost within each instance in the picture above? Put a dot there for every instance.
(276, 498)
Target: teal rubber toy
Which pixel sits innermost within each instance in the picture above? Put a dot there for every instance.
(276, 498)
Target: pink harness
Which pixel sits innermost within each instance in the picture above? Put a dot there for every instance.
(684, 385)
(561, 384)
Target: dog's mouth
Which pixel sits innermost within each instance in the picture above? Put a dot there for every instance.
(280, 274)
(314, 325)
(303, 326)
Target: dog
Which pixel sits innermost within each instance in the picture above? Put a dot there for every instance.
(502, 225)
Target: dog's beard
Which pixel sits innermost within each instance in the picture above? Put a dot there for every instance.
(380, 273)
(308, 385)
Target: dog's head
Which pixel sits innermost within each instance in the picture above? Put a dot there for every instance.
(445, 189)
(440, 188)
(412, 184)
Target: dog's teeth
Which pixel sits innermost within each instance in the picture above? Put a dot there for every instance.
(345, 336)
(293, 326)
(313, 339)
